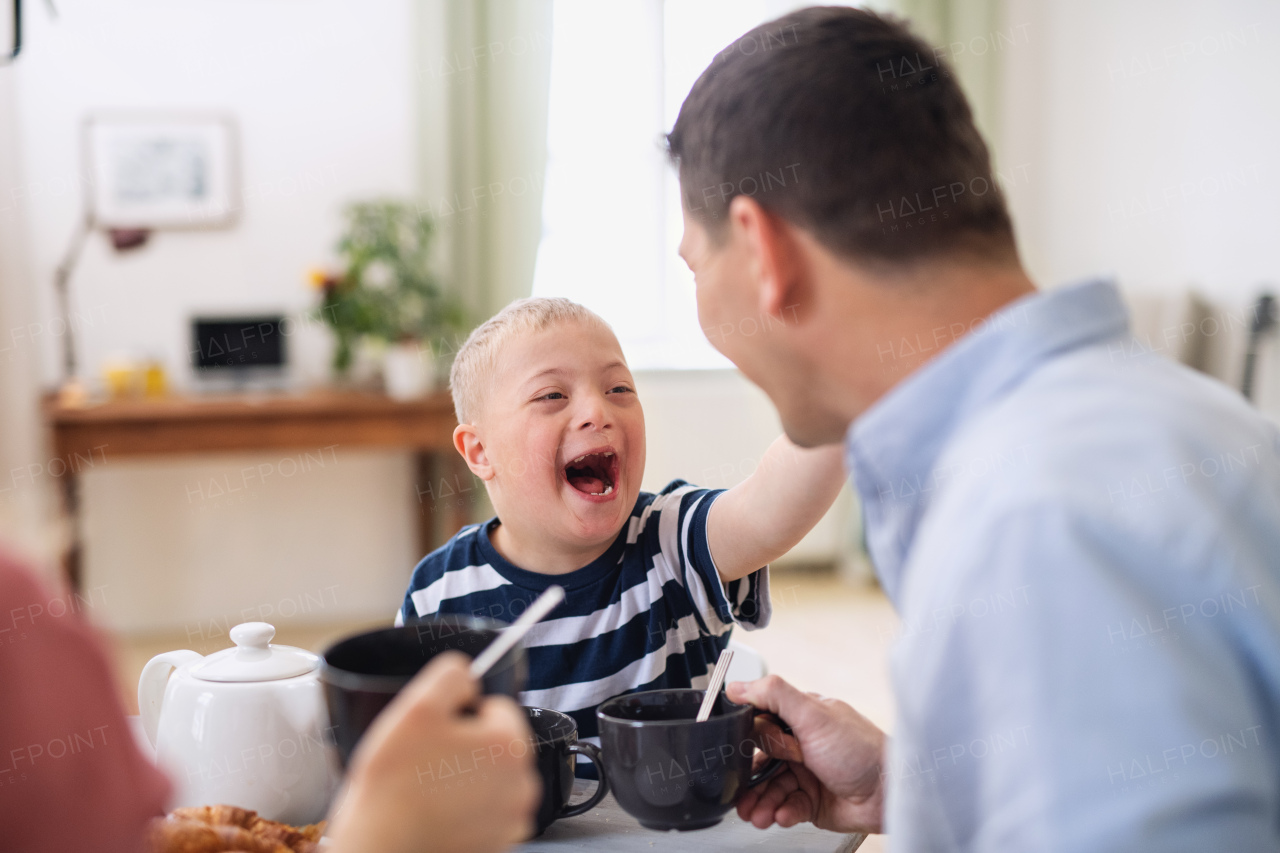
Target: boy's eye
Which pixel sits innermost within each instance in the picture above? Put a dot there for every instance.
(620, 389)
(554, 395)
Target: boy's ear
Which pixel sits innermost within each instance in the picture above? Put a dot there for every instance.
(466, 439)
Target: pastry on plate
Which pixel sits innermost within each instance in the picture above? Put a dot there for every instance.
(220, 829)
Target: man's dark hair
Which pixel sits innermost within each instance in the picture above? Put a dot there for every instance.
(846, 124)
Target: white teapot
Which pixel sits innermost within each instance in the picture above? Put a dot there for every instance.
(245, 727)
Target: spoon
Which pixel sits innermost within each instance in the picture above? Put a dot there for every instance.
(713, 687)
(515, 632)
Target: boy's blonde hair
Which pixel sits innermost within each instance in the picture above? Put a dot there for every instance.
(471, 376)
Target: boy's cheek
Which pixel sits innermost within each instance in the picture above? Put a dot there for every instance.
(524, 472)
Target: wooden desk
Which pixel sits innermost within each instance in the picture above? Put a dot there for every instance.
(88, 435)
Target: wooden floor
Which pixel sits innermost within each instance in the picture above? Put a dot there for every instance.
(826, 637)
(830, 638)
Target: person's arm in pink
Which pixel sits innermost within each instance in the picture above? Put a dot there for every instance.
(72, 778)
(71, 775)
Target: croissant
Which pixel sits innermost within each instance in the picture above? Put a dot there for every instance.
(223, 815)
(223, 829)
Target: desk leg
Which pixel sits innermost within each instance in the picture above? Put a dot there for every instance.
(462, 508)
(446, 497)
(72, 567)
(424, 475)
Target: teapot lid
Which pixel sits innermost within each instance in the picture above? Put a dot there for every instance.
(254, 659)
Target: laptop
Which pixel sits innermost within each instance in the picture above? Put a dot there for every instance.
(239, 353)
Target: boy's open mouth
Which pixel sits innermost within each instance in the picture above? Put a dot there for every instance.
(593, 473)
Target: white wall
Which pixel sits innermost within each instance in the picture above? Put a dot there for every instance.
(321, 91)
(1147, 129)
(323, 95)
(23, 528)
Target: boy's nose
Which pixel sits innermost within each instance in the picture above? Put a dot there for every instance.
(592, 414)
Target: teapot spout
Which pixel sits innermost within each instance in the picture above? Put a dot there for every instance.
(155, 675)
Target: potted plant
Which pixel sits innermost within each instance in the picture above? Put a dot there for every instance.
(388, 295)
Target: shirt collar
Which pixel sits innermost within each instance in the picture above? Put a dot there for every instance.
(900, 438)
(537, 581)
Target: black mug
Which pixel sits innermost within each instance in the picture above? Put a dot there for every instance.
(669, 771)
(555, 740)
(363, 673)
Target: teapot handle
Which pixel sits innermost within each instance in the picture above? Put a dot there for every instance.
(155, 675)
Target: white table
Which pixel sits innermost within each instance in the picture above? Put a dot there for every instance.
(608, 827)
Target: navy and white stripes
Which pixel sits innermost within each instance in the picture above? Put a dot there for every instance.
(651, 612)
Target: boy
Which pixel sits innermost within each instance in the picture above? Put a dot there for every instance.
(549, 420)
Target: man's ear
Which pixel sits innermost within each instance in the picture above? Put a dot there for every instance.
(466, 439)
(774, 254)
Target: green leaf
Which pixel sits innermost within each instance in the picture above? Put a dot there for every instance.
(411, 304)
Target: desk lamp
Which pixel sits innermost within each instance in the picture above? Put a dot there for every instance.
(72, 391)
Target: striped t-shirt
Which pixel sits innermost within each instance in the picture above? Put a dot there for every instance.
(649, 613)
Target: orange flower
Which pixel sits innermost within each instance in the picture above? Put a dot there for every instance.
(318, 278)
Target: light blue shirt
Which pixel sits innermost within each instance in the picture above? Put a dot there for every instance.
(1083, 542)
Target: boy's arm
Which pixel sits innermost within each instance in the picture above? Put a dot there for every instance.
(765, 515)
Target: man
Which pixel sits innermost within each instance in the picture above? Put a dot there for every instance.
(1083, 541)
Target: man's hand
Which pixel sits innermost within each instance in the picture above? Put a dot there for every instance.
(428, 776)
(833, 777)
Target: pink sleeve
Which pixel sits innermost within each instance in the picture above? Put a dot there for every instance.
(71, 777)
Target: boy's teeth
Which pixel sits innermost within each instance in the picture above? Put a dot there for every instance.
(607, 490)
(585, 455)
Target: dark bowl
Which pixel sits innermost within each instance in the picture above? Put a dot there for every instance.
(363, 673)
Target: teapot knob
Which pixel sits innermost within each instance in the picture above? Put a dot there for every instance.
(253, 635)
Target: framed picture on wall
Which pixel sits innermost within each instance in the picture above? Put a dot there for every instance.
(161, 171)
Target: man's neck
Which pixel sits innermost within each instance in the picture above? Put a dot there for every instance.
(906, 321)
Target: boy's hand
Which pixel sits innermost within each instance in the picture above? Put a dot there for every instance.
(397, 800)
(765, 515)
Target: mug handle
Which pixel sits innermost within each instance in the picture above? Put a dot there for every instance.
(592, 752)
(775, 765)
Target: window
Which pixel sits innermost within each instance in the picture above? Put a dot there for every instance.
(611, 209)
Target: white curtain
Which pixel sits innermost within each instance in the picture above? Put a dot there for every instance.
(974, 37)
(482, 88)
(605, 202)
(611, 218)
(611, 212)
